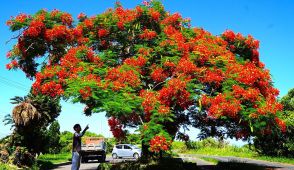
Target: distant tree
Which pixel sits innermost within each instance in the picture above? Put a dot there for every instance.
(53, 136)
(66, 141)
(92, 134)
(133, 138)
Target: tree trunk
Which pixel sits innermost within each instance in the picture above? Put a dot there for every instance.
(145, 151)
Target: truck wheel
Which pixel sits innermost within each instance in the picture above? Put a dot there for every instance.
(136, 156)
(114, 156)
(103, 158)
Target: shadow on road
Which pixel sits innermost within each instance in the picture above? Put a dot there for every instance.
(179, 164)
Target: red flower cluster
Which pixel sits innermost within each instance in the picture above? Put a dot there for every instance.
(149, 102)
(281, 124)
(247, 74)
(88, 23)
(173, 19)
(126, 16)
(229, 35)
(175, 92)
(86, 92)
(116, 128)
(136, 62)
(187, 67)
(120, 25)
(250, 94)
(12, 64)
(163, 110)
(148, 34)
(21, 18)
(35, 29)
(121, 78)
(145, 51)
(215, 76)
(70, 59)
(271, 106)
(243, 43)
(81, 16)
(155, 15)
(158, 75)
(220, 106)
(52, 89)
(159, 143)
(66, 19)
(60, 32)
(102, 33)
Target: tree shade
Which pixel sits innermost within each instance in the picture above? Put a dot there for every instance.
(148, 68)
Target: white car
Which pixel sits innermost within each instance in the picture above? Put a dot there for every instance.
(126, 150)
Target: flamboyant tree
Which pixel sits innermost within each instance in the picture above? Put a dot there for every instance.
(150, 69)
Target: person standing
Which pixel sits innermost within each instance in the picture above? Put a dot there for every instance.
(76, 146)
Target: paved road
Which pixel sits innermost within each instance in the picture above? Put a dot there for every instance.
(91, 165)
(84, 166)
(193, 158)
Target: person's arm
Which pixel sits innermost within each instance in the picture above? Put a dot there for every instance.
(84, 131)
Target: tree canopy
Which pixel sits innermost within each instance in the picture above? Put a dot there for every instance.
(148, 68)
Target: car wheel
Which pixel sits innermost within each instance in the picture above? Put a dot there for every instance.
(84, 160)
(136, 156)
(114, 156)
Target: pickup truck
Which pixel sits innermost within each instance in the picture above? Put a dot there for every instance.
(93, 148)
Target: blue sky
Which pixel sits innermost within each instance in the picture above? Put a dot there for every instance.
(270, 21)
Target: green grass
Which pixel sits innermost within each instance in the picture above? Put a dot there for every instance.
(210, 147)
(48, 161)
(226, 151)
(211, 160)
(55, 158)
(6, 167)
(275, 159)
(238, 152)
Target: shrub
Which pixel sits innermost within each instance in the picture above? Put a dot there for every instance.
(21, 157)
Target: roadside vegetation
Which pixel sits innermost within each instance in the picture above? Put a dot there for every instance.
(213, 147)
(55, 158)
(6, 167)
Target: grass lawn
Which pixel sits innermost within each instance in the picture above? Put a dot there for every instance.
(6, 167)
(55, 158)
(210, 147)
(49, 160)
(238, 152)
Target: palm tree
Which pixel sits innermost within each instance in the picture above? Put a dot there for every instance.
(30, 118)
(24, 111)
(8, 120)
(32, 108)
